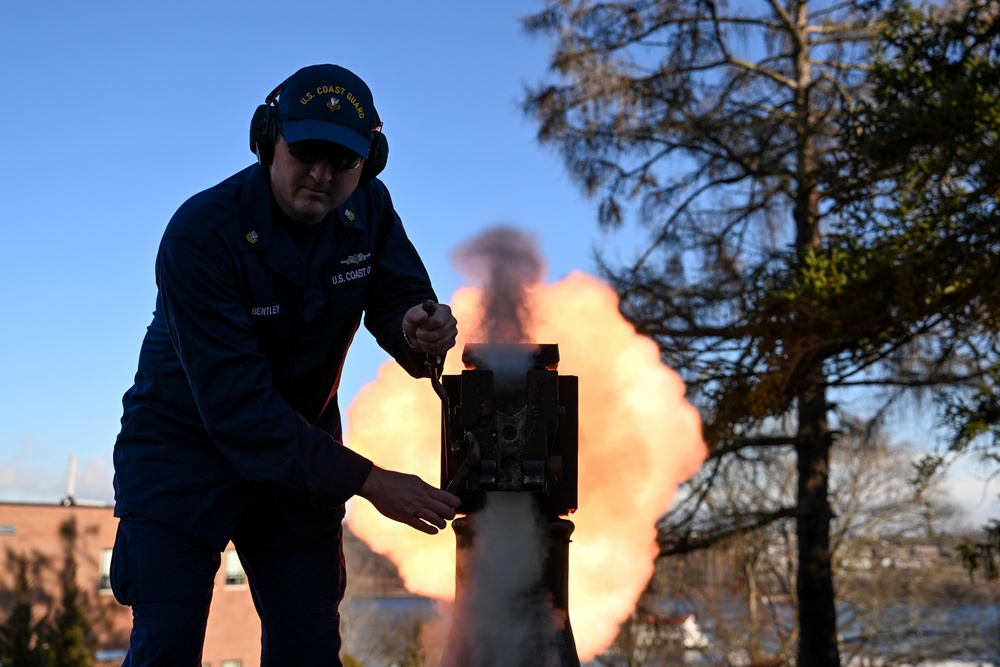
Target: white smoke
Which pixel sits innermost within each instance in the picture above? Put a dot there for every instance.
(503, 615)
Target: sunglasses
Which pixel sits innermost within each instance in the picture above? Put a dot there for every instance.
(338, 157)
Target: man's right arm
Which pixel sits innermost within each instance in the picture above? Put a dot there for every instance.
(245, 416)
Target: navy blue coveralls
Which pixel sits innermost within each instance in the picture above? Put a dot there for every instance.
(232, 431)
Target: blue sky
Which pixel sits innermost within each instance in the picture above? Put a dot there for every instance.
(116, 112)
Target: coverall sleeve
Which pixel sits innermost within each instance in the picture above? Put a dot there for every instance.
(246, 418)
(399, 282)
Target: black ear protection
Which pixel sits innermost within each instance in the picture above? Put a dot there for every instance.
(378, 155)
(264, 128)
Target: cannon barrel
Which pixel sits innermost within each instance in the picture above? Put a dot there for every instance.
(510, 426)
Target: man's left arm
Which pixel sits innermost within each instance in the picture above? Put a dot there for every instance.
(399, 287)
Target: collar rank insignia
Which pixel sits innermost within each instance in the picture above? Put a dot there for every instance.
(349, 214)
(333, 104)
(252, 236)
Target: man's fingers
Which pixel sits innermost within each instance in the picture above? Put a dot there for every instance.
(434, 519)
(445, 512)
(441, 319)
(446, 498)
(437, 342)
(424, 527)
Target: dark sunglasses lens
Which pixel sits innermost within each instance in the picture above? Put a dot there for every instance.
(345, 161)
(312, 152)
(306, 151)
(341, 159)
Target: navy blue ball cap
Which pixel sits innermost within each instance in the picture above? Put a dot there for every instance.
(328, 103)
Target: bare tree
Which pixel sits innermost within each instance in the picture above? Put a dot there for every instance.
(751, 610)
(724, 127)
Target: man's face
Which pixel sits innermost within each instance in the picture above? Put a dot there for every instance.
(305, 191)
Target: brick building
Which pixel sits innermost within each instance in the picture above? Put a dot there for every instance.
(46, 533)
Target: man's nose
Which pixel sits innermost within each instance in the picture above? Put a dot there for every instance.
(321, 171)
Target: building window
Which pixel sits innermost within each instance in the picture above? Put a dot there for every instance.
(232, 663)
(105, 582)
(235, 576)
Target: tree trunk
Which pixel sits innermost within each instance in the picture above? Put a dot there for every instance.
(750, 572)
(817, 604)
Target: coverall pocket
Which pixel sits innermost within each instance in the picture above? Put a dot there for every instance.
(346, 300)
(123, 564)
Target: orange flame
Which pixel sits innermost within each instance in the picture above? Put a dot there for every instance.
(639, 438)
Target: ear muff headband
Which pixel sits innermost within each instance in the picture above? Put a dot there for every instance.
(264, 127)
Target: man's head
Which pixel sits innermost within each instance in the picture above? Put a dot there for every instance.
(314, 138)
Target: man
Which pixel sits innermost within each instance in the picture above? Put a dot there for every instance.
(232, 429)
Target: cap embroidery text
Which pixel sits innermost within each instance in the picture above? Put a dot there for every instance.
(336, 90)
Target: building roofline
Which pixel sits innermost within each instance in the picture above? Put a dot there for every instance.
(66, 502)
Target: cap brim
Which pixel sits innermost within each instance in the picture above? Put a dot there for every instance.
(317, 130)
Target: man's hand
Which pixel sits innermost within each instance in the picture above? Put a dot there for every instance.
(432, 334)
(408, 499)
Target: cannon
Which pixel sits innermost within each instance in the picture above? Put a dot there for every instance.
(510, 425)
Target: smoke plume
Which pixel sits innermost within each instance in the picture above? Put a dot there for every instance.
(503, 616)
(505, 264)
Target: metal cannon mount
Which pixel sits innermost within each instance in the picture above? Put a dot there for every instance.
(510, 423)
